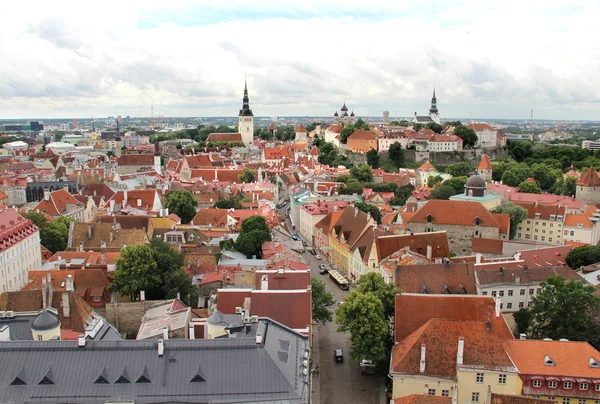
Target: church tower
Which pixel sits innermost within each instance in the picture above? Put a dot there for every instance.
(433, 111)
(246, 119)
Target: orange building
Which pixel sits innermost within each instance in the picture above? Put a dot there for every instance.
(361, 141)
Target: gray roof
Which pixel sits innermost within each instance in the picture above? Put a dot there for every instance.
(423, 119)
(222, 370)
(45, 321)
(19, 327)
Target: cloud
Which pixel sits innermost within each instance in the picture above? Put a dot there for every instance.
(189, 58)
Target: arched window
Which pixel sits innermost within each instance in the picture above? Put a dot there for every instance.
(429, 218)
(477, 221)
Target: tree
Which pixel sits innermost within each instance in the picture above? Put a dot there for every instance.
(228, 203)
(362, 314)
(322, 301)
(370, 209)
(136, 271)
(396, 154)
(253, 234)
(373, 158)
(566, 186)
(169, 265)
(457, 183)
(583, 256)
(432, 180)
(54, 235)
(362, 173)
(436, 127)
(247, 177)
(388, 166)
(255, 222)
(517, 215)
(516, 174)
(563, 309)
(442, 192)
(401, 195)
(386, 292)
(183, 204)
(522, 319)
(529, 187)
(468, 136)
(345, 133)
(459, 169)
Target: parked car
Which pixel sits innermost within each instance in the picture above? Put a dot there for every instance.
(313, 252)
(304, 243)
(338, 354)
(367, 367)
(318, 257)
(294, 237)
(323, 269)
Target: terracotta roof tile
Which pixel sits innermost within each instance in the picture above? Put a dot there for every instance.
(523, 276)
(363, 135)
(452, 278)
(454, 213)
(224, 137)
(485, 164)
(422, 399)
(58, 203)
(417, 242)
(589, 179)
(136, 160)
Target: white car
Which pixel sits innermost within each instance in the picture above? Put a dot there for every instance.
(318, 257)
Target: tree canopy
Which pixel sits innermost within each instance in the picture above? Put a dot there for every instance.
(517, 215)
(247, 177)
(373, 158)
(255, 231)
(362, 173)
(442, 192)
(136, 271)
(370, 209)
(228, 203)
(322, 301)
(468, 136)
(459, 169)
(183, 204)
(529, 187)
(54, 235)
(396, 154)
(583, 256)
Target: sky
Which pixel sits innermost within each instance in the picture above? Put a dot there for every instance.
(486, 59)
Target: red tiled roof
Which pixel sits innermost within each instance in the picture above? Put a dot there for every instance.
(422, 399)
(289, 280)
(427, 166)
(136, 160)
(549, 256)
(455, 213)
(417, 242)
(14, 228)
(546, 199)
(486, 245)
(485, 163)
(452, 278)
(224, 137)
(414, 310)
(363, 135)
(57, 204)
(589, 179)
(480, 127)
(146, 196)
(335, 128)
(301, 128)
(276, 153)
(210, 217)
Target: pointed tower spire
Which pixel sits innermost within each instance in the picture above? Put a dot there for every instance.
(433, 109)
(246, 111)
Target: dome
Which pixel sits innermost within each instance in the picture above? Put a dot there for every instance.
(344, 107)
(45, 321)
(475, 181)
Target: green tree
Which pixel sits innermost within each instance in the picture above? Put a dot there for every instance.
(136, 271)
(457, 183)
(322, 301)
(459, 169)
(545, 175)
(250, 243)
(388, 166)
(361, 125)
(54, 235)
(583, 256)
(529, 187)
(468, 136)
(516, 174)
(37, 218)
(346, 132)
(522, 319)
(169, 265)
(442, 192)
(373, 158)
(351, 187)
(566, 186)
(362, 173)
(401, 195)
(433, 180)
(229, 203)
(563, 309)
(396, 154)
(370, 209)
(183, 204)
(247, 177)
(255, 222)
(386, 292)
(363, 316)
(517, 215)
(436, 127)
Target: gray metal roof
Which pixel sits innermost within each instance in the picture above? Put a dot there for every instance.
(45, 321)
(203, 371)
(19, 327)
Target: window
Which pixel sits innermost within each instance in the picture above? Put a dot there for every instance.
(583, 386)
(522, 292)
(510, 292)
(518, 235)
(529, 222)
(431, 392)
(501, 293)
(39, 337)
(521, 305)
(572, 233)
(479, 378)
(529, 304)
(493, 293)
(543, 224)
(549, 238)
(527, 236)
(543, 238)
(581, 401)
(566, 233)
(508, 305)
(475, 397)
(96, 298)
(445, 393)
(501, 379)
(552, 384)
(568, 385)
(531, 291)
(565, 400)
(537, 383)
(538, 291)
(535, 237)
(484, 293)
(598, 388)
(528, 229)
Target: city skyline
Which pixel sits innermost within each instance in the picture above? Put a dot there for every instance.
(189, 59)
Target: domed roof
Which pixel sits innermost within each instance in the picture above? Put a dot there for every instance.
(352, 114)
(344, 107)
(335, 114)
(45, 321)
(475, 181)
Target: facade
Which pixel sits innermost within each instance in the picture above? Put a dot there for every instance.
(462, 220)
(590, 145)
(332, 134)
(135, 163)
(486, 135)
(16, 191)
(484, 169)
(444, 143)
(566, 372)
(543, 223)
(588, 187)
(582, 227)
(516, 287)
(301, 134)
(35, 190)
(313, 213)
(246, 119)
(434, 115)
(385, 141)
(361, 141)
(61, 203)
(20, 250)
(345, 233)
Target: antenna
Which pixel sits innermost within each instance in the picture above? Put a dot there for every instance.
(531, 121)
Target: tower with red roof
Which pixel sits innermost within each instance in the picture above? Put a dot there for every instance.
(484, 169)
(588, 187)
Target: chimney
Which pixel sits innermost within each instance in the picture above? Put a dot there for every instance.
(142, 295)
(65, 304)
(429, 251)
(355, 211)
(522, 336)
(166, 212)
(192, 332)
(69, 284)
(81, 246)
(161, 348)
(94, 192)
(517, 279)
(139, 203)
(124, 198)
(89, 231)
(44, 293)
(165, 331)
(460, 351)
(454, 394)
(103, 257)
(264, 282)
(478, 258)
(426, 389)
(81, 341)
(258, 338)
(50, 289)
(112, 237)
(46, 195)
(498, 307)
(112, 206)
(422, 363)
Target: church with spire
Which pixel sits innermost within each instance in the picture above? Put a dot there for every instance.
(434, 115)
(246, 119)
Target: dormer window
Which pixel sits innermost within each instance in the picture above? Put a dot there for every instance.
(429, 219)
(593, 363)
(552, 384)
(552, 217)
(537, 215)
(477, 221)
(548, 361)
(568, 385)
(583, 386)
(537, 383)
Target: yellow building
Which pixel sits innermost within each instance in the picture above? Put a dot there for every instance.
(348, 229)
(544, 223)
(567, 372)
(445, 354)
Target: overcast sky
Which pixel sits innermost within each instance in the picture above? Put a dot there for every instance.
(487, 59)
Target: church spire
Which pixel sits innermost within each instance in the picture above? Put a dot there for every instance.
(246, 111)
(433, 109)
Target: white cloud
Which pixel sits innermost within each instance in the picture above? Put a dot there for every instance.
(487, 59)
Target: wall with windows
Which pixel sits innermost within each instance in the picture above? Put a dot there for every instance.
(472, 384)
(17, 260)
(513, 296)
(405, 385)
(563, 390)
(547, 231)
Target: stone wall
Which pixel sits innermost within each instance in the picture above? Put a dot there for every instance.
(446, 158)
(127, 317)
(590, 195)
(459, 236)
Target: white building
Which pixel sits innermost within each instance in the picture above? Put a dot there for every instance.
(444, 143)
(385, 141)
(487, 136)
(587, 144)
(516, 287)
(434, 115)
(583, 227)
(20, 250)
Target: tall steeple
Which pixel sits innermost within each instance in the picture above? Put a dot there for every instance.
(433, 109)
(246, 111)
